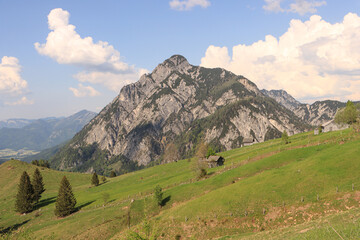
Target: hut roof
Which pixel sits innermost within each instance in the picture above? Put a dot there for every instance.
(213, 158)
(248, 140)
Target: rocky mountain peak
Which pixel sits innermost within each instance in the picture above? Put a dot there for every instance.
(176, 60)
(282, 97)
(174, 63)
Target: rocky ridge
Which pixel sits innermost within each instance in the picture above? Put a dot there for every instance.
(180, 103)
(314, 114)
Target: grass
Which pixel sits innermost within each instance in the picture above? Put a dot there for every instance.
(265, 190)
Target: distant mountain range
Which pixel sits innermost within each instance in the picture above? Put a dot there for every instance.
(37, 135)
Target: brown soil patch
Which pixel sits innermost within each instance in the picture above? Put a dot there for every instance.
(357, 196)
(273, 213)
(305, 230)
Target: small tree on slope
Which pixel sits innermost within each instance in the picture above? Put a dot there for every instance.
(38, 185)
(25, 196)
(285, 137)
(158, 195)
(65, 201)
(95, 180)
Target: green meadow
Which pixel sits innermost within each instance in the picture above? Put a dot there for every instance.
(307, 189)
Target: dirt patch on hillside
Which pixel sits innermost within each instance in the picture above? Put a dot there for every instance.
(273, 213)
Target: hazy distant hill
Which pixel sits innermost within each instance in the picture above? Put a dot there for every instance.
(44, 133)
(15, 123)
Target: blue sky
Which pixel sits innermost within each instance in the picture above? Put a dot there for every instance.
(59, 57)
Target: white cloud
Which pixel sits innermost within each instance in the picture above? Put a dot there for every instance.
(186, 5)
(66, 46)
(83, 91)
(11, 81)
(312, 60)
(273, 6)
(301, 7)
(112, 81)
(22, 101)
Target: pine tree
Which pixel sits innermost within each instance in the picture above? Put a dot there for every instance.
(38, 185)
(65, 201)
(95, 180)
(25, 195)
(112, 174)
(158, 195)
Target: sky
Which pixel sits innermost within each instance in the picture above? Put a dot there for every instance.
(59, 57)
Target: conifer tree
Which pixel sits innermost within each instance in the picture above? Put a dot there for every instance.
(25, 196)
(158, 195)
(38, 185)
(65, 201)
(95, 180)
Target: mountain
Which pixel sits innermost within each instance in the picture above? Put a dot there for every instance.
(15, 123)
(283, 98)
(319, 112)
(44, 133)
(180, 103)
(314, 114)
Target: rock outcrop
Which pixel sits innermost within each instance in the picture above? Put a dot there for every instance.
(314, 114)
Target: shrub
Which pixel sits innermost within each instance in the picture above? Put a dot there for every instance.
(95, 180)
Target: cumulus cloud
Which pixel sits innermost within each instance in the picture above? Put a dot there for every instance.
(301, 7)
(21, 101)
(186, 5)
(112, 81)
(83, 91)
(66, 46)
(312, 60)
(11, 81)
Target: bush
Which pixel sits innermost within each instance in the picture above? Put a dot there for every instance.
(199, 167)
(95, 180)
(210, 152)
(285, 137)
(105, 197)
(103, 179)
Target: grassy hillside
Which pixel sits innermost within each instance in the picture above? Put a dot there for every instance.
(263, 191)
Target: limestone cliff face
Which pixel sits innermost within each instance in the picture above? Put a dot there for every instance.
(314, 114)
(176, 102)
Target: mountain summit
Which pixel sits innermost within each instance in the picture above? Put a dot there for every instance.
(179, 103)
